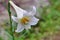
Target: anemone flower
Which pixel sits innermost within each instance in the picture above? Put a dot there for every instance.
(24, 18)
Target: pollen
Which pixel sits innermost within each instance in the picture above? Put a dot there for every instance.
(24, 20)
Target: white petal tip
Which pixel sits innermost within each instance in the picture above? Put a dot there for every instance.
(10, 2)
(34, 8)
(33, 21)
(17, 31)
(12, 16)
(37, 21)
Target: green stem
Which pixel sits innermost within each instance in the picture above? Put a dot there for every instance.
(10, 21)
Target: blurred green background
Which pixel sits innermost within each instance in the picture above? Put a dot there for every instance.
(48, 28)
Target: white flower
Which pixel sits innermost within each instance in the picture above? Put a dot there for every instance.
(24, 19)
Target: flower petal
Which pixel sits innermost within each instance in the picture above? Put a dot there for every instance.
(27, 27)
(33, 12)
(18, 10)
(33, 21)
(20, 28)
(14, 18)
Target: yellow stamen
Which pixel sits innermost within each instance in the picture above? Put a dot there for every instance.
(24, 20)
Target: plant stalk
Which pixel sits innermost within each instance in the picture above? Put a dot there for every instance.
(10, 21)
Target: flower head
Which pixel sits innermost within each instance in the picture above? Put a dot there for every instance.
(24, 19)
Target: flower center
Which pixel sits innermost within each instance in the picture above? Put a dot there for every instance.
(24, 20)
